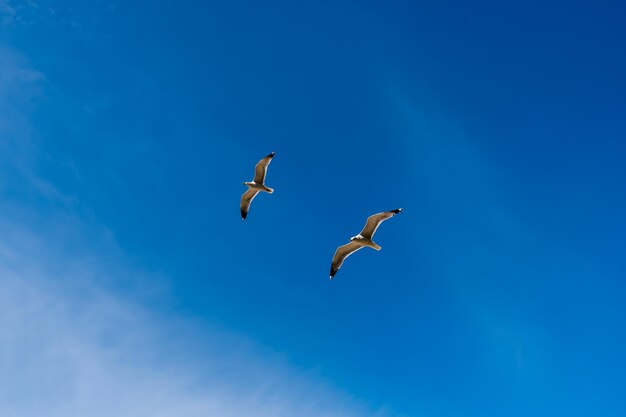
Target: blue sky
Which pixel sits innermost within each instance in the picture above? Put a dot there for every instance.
(130, 286)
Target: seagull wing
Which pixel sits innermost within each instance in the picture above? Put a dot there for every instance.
(246, 199)
(375, 220)
(261, 168)
(341, 254)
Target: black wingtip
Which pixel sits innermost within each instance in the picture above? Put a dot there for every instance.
(244, 215)
(396, 211)
(271, 155)
(333, 272)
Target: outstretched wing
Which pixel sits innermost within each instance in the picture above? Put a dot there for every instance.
(341, 254)
(246, 199)
(261, 168)
(375, 220)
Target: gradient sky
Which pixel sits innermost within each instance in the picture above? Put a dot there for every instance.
(129, 285)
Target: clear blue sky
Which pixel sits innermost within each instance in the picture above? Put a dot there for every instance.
(127, 129)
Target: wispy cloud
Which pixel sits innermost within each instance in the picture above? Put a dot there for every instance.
(7, 13)
(18, 86)
(459, 180)
(73, 344)
(70, 347)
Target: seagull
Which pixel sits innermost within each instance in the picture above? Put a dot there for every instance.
(361, 240)
(256, 185)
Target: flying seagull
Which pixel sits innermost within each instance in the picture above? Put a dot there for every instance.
(361, 240)
(256, 185)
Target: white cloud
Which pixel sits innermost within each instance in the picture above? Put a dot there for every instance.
(87, 351)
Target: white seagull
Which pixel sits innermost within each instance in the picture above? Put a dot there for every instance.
(256, 185)
(362, 239)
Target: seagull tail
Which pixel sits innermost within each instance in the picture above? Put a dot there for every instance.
(269, 190)
(376, 246)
